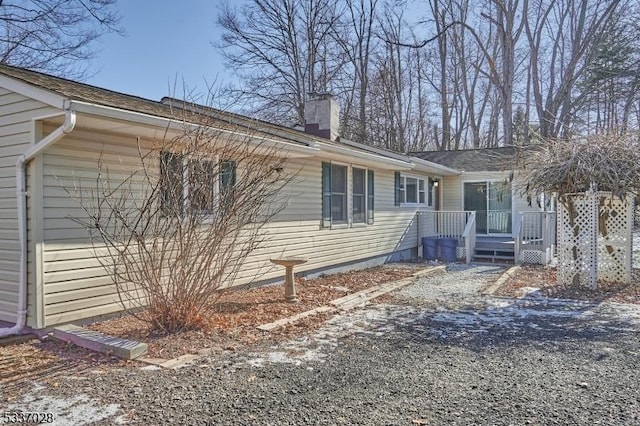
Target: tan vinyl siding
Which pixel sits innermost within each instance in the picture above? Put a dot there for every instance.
(16, 113)
(76, 286)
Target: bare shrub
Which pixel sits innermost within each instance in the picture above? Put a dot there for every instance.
(179, 227)
(611, 162)
(604, 162)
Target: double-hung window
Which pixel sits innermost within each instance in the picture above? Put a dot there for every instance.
(194, 186)
(410, 190)
(359, 195)
(336, 193)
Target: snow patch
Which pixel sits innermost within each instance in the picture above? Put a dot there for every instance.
(74, 410)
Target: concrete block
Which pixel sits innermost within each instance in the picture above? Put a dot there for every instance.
(98, 342)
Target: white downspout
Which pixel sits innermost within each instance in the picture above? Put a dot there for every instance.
(21, 193)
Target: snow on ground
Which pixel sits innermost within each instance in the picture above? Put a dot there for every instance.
(74, 410)
(450, 306)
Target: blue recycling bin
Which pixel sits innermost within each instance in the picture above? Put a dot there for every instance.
(429, 248)
(448, 249)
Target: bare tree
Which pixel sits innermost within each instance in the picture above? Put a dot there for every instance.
(610, 85)
(358, 42)
(282, 51)
(179, 226)
(562, 35)
(54, 36)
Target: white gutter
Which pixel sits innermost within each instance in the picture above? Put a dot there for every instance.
(21, 194)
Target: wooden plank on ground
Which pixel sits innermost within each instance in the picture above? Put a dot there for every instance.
(500, 281)
(379, 291)
(290, 320)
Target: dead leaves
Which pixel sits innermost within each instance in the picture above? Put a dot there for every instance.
(239, 312)
(545, 279)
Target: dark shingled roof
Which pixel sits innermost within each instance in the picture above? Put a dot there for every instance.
(173, 109)
(177, 109)
(167, 108)
(84, 92)
(474, 160)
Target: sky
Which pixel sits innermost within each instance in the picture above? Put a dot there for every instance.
(166, 42)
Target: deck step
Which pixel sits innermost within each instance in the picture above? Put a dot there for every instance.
(493, 256)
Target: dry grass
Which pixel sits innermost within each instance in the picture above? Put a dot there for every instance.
(545, 279)
(46, 361)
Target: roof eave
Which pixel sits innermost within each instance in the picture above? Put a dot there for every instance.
(290, 149)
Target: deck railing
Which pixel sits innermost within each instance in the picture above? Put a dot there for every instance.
(469, 236)
(449, 224)
(535, 231)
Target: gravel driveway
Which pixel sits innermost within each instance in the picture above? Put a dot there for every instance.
(438, 353)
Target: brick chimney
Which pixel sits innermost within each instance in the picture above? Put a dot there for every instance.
(322, 116)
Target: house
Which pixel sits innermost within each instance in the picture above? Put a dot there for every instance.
(53, 130)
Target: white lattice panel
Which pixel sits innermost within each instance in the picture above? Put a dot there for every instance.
(461, 252)
(535, 257)
(577, 240)
(615, 226)
(595, 241)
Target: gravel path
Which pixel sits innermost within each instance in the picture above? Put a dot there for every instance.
(464, 360)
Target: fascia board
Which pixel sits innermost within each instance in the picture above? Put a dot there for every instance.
(349, 154)
(31, 91)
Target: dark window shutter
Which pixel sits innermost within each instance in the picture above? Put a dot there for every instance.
(171, 184)
(326, 195)
(227, 180)
(370, 197)
(227, 174)
(397, 188)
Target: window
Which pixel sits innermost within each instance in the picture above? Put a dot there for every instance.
(431, 191)
(190, 184)
(171, 183)
(336, 193)
(227, 181)
(359, 194)
(201, 176)
(410, 190)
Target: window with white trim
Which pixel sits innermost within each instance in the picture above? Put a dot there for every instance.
(194, 185)
(359, 195)
(411, 190)
(336, 192)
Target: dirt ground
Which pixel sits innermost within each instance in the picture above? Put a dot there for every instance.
(234, 325)
(241, 311)
(544, 278)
